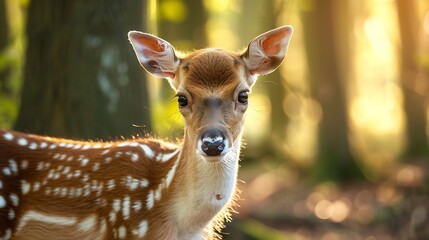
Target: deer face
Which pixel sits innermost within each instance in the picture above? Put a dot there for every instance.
(212, 85)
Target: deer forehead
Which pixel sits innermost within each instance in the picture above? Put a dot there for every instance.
(214, 69)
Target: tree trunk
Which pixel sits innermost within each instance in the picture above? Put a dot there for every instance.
(81, 77)
(415, 103)
(4, 39)
(321, 27)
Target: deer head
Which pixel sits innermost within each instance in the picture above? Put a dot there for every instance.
(212, 85)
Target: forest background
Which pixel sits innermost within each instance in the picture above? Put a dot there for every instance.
(336, 139)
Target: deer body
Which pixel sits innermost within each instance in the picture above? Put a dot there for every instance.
(53, 188)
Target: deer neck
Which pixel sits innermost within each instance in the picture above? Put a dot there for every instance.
(207, 187)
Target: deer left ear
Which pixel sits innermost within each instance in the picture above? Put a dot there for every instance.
(265, 53)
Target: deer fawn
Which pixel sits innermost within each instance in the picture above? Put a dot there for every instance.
(54, 188)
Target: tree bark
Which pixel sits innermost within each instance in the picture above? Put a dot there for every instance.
(415, 102)
(81, 77)
(321, 27)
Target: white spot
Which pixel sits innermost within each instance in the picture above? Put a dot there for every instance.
(14, 199)
(63, 156)
(158, 192)
(66, 170)
(79, 192)
(72, 192)
(86, 147)
(70, 158)
(2, 202)
(57, 191)
(168, 156)
(147, 151)
(108, 160)
(122, 232)
(47, 165)
(25, 187)
(141, 230)
(8, 136)
(112, 217)
(7, 234)
(13, 166)
(24, 164)
(77, 173)
(64, 192)
(85, 178)
(56, 176)
(150, 200)
(43, 217)
(105, 152)
(96, 166)
(126, 207)
(22, 141)
(86, 191)
(6, 171)
(53, 146)
(77, 146)
(36, 186)
(110, 184)
(33, 146)
(171, 173)
(62, 144)
(43, 145)
(116, 205)
(11, 214)
(48, 191)
(50, 174)
(85, 161)
(97, 146)
(144, 183)
(88, 223)
(134, 183)
(128, 144)
(56, 156)
(69, 145)
(137, 205)
(40, 166)
(134, 157)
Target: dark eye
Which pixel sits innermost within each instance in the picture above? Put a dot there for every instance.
(182, 100)
(242, 97)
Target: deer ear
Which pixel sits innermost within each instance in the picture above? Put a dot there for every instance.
(265, 53)
(156, 55)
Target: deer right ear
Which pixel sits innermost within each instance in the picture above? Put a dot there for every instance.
(265, 53)
(156, 55)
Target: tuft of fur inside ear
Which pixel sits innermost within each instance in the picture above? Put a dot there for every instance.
(156, 55)
(266, 52)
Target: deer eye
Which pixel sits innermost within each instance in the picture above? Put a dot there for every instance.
(243, 97)
(182, 100)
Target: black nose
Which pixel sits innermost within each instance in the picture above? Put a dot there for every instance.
(213, 142)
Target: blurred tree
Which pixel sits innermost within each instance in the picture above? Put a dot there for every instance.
(275, 85)
(82, 79)
(4, 39)
(415, 101)
(327, 56)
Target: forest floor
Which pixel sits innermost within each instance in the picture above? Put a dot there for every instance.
(275, 204)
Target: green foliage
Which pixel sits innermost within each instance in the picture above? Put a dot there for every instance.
(8, 111)
(173, 10)
(258, 231)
